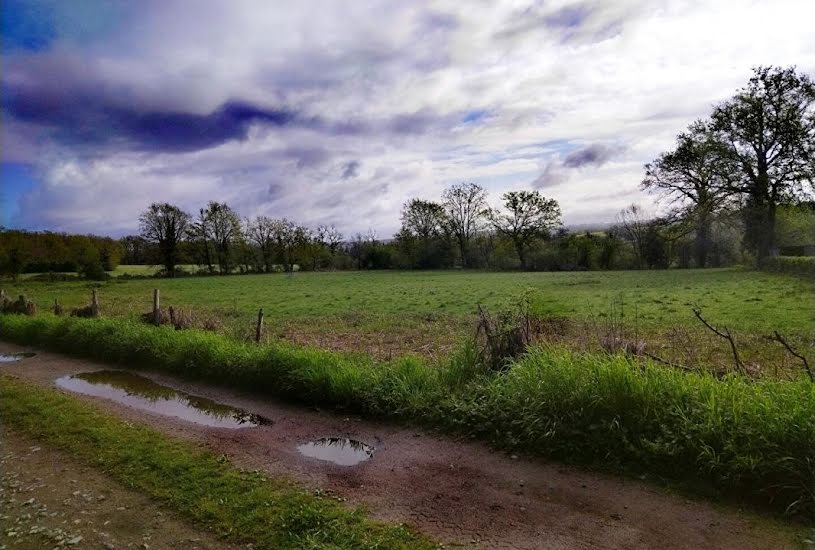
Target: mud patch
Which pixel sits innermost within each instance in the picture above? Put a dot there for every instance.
(14, 357)
(338, 450)
(144, 394)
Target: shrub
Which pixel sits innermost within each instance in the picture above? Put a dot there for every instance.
(799, 265)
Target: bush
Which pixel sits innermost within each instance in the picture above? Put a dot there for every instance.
(798, 265)
(754, 439)
(93, 271)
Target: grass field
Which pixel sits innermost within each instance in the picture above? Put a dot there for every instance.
(388, 313)
(749, 436)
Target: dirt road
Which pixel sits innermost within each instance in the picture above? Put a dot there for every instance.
(456, 491)
(48, 500)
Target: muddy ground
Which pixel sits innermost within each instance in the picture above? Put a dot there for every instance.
(456, 491)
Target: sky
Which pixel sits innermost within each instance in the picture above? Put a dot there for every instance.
(339, 112)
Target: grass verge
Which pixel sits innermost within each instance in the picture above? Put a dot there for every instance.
(749, 439)
(240, 506)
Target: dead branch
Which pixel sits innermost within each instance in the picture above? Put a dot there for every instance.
(667, 363)
(726, 335)
(781, 340)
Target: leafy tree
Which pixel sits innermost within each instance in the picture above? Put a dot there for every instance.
(465, 205)
(796, 226)
(289, 237)
(166, 225)
(423, 222)
(200, 233)
(768, 128)
(262, 232)
(529, 215)
(695, 174)
(225, 227)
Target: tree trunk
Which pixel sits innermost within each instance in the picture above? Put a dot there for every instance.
(702, 243)
(761, 215)
(462, 245)
(207, 256)
(519, 247)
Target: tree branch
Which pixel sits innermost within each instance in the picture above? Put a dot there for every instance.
(781, 340)
(726, 335)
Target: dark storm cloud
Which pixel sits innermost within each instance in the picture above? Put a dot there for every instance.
(85, 118)
(80, 106)
(592, 155)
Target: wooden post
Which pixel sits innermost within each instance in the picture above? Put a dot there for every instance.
(259, 328)
(171, 311)
(2, 295)
(94, 303)
(156, 307)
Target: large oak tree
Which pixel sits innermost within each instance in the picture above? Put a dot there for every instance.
(768, 128)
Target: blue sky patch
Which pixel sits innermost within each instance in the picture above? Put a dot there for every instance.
(15, 180)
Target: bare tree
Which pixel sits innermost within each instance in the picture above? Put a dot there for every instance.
(330, 237)
(635, 225)
(466, 206)
(529, 215)
(166, 225)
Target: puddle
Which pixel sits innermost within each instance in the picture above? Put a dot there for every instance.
(144, 394)
(339, 450)
(14, 357)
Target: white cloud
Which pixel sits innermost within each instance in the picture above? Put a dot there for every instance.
(544, 81)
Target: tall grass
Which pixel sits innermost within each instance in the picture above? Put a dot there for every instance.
(753, 439)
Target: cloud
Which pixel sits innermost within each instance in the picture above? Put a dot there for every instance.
(337, 112)
(350, 170)
(592, 155)
(561, 168)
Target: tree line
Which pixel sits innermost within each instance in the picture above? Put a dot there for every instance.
(739, 184)
(49, 252)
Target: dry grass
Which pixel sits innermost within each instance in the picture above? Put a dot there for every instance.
(20, 306)
(182, 319)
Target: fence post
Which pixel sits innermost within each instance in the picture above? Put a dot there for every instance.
(156, 307)
(94, 303)
(259, 328)
(171, 311)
